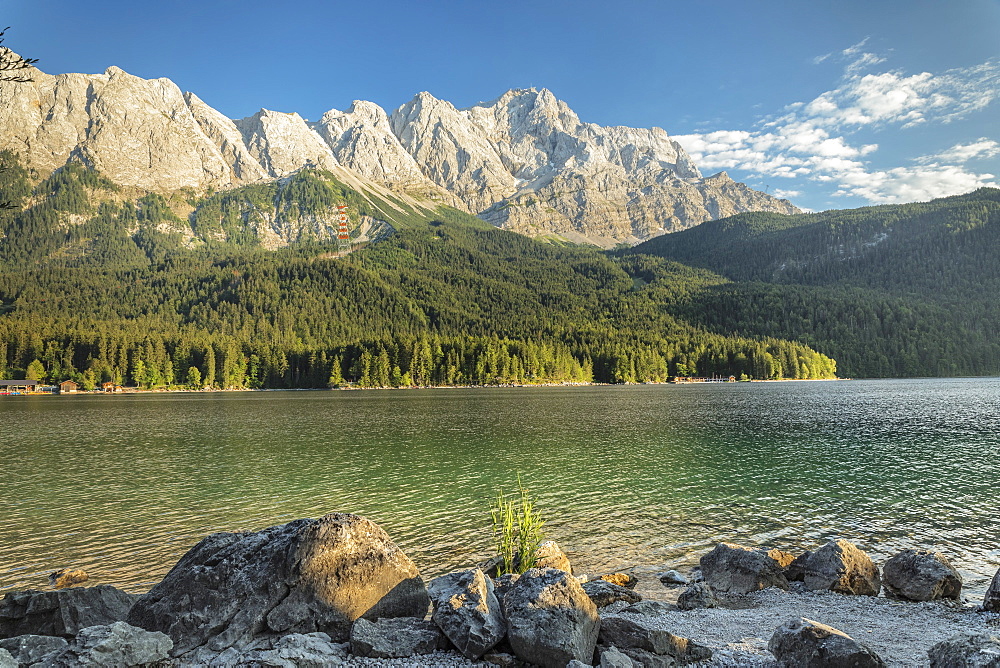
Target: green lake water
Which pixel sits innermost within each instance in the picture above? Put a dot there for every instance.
(625, 476)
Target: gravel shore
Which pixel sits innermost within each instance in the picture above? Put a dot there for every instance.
(900, 632)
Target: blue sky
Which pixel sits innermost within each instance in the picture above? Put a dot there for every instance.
(833, 104)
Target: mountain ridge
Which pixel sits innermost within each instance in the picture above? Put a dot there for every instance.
(523, 161)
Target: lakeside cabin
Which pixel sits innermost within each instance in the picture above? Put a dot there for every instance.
(18, 386)
(35, 387)
(705, 379)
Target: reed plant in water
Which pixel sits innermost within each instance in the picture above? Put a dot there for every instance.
(517, 529)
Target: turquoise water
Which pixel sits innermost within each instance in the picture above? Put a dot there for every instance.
(122, 486)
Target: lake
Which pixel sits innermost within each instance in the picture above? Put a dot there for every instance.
(649, 476)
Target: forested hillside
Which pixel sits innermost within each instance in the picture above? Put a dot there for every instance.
(900, 290)
(104, 284)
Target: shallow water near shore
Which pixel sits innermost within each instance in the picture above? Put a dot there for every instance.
(628, 476)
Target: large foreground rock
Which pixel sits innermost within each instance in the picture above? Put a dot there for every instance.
(803, 643)
(796, 570)
(550, 555)
(298, 650)
(921, 575)
(62, 612)
(604, 593)
(628, 634)
(841, 567)
(735, 569)
(550, 619)
(467, 611)
(966, 650)
(395, 638)
(30, 649)
(991, 602)
(117, 645)
(698, 595)
(302, 577)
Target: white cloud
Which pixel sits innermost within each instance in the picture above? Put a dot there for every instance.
(811, 139)
(962, 153)
(860, 59)
(912, 184)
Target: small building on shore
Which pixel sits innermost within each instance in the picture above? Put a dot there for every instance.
(18, 386)
(68, 387)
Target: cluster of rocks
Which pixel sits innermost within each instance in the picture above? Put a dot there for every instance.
(337, 590)
(840, 567)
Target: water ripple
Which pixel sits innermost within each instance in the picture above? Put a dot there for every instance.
(123, 486)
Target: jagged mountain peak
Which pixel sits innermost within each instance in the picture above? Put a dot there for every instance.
(282, 142)
(524, 161)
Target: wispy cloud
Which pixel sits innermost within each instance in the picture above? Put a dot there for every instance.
(810, 139)
(962, 153)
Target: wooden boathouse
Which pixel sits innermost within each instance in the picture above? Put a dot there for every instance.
(17, 386)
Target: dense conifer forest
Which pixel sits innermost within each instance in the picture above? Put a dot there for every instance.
(896, 290)
(102, 285)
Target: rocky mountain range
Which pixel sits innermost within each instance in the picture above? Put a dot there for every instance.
(523, 162)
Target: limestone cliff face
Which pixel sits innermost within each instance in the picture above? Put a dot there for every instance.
(361, 139)
(228, 140)
(524, 161)
(453, 151)
(135, 131)
(607, 207)
(527, 163)
(283, 143)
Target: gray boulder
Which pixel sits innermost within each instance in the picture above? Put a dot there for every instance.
(550, 555)
(921, 575)
(646, 659)
(735, 569)
(502, 585)
(117, 645)
(298, 650)
(698, 595)
(6, 660)
(612, 657)
(628, 634)
(30, 649)
(302, 577)
(604, 593)
(841, 567)
(671, 578)
(467, 611)
(550, 619)
(803, 643)
(62, 612)
(395, 638)
(991, 602)
(796, 570)
(966, 650)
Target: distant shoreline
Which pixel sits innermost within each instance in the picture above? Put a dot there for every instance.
(134, 390)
